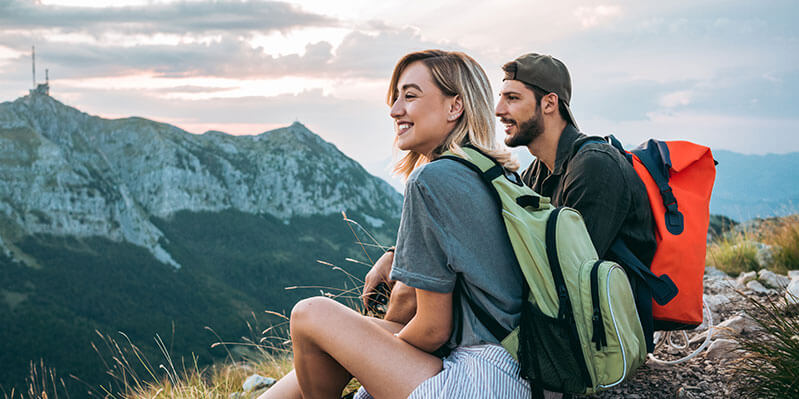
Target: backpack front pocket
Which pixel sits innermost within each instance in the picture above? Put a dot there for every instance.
(546, 352)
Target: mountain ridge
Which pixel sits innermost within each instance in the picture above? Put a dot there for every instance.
(124, 177)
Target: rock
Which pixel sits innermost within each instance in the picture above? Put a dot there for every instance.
(757, 288)
(714, 273)
(729, 328)
(793, 274)
(714, 302)
(773, 280)
(744, 278)
(722, 349)
(684, 393)
(792, 292)
(255, 382)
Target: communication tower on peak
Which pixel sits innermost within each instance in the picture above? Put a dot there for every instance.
(41, 88)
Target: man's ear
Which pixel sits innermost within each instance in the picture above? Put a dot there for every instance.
(455, 108)
(549, 103)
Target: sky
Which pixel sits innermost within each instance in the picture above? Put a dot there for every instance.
(720, 73)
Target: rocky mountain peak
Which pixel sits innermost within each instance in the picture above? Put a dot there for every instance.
(65, 172)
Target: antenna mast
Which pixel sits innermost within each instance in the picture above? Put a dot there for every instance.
(33, 63)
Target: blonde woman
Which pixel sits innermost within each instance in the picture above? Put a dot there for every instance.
(451, 242)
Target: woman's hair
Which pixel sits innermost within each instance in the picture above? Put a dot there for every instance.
(455, 73)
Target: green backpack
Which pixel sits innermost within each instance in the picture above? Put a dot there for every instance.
(579, 330)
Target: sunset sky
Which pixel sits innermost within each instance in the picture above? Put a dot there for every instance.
(721, 73)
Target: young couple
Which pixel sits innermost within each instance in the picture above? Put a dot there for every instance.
(451, 241)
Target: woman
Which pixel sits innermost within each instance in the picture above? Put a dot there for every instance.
(451, 242)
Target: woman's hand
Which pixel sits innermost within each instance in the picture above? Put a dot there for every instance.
(379, 274)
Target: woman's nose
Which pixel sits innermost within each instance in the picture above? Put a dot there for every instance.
(397, 109)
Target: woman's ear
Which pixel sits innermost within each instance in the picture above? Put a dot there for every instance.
(455, 108)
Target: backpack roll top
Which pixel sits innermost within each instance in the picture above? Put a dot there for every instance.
(679, 179)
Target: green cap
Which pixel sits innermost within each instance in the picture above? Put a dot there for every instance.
(547, 73)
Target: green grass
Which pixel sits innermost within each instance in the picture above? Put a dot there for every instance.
(784, 233)
(733, 255)
(735, 251)
(770, 367)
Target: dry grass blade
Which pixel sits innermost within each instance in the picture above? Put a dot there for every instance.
(770, 368)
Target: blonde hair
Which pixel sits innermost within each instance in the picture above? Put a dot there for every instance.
(455, 74)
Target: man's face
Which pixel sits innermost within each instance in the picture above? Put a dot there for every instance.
(519, 112)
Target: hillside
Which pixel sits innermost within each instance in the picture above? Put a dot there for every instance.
(137, 226)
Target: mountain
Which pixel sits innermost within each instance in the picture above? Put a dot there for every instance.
(137, 226)
(751, 186)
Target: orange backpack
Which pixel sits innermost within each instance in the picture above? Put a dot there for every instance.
(678, 176)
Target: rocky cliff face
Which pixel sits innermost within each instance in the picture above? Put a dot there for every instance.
(64, 172)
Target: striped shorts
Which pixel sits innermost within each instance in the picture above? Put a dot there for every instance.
(480, 371)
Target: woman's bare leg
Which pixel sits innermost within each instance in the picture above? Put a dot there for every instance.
(332, 342)
(285, 388)
(288, 387)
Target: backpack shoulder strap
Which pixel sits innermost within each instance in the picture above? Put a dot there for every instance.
(488, 169)
(654, 155)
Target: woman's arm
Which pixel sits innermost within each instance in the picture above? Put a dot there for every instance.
(432, 325)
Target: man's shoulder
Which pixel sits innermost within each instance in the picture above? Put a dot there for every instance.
(596, 157)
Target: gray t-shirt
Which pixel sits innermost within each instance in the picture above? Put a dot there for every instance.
(451, 226)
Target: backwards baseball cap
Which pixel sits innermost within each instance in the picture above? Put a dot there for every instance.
(546, 73)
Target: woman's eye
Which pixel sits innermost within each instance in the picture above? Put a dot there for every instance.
(410, 95)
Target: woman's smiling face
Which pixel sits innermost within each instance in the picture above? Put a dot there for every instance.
(421, 111)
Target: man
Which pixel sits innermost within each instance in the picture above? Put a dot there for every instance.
(578, 171)
(571, 168)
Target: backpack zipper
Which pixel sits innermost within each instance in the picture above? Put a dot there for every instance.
(616, 328)
(599, 327)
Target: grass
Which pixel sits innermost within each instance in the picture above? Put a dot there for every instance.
(735, 252)
(770, 367)
(42, 383)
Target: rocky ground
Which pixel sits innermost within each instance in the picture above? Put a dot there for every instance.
(710, 374)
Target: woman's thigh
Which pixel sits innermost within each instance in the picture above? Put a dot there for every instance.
(385, 365)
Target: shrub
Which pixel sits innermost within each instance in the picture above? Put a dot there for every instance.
(770, 367)
(733, 254)
(783, 233)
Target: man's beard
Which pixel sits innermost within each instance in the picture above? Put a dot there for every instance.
(529, 130)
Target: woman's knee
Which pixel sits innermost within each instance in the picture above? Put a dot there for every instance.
(310, 313)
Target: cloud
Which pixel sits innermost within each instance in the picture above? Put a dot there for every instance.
(205, 16)
(677, 99)
(360, 55)
(595, 15)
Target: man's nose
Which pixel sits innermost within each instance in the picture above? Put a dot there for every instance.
(499, 110)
